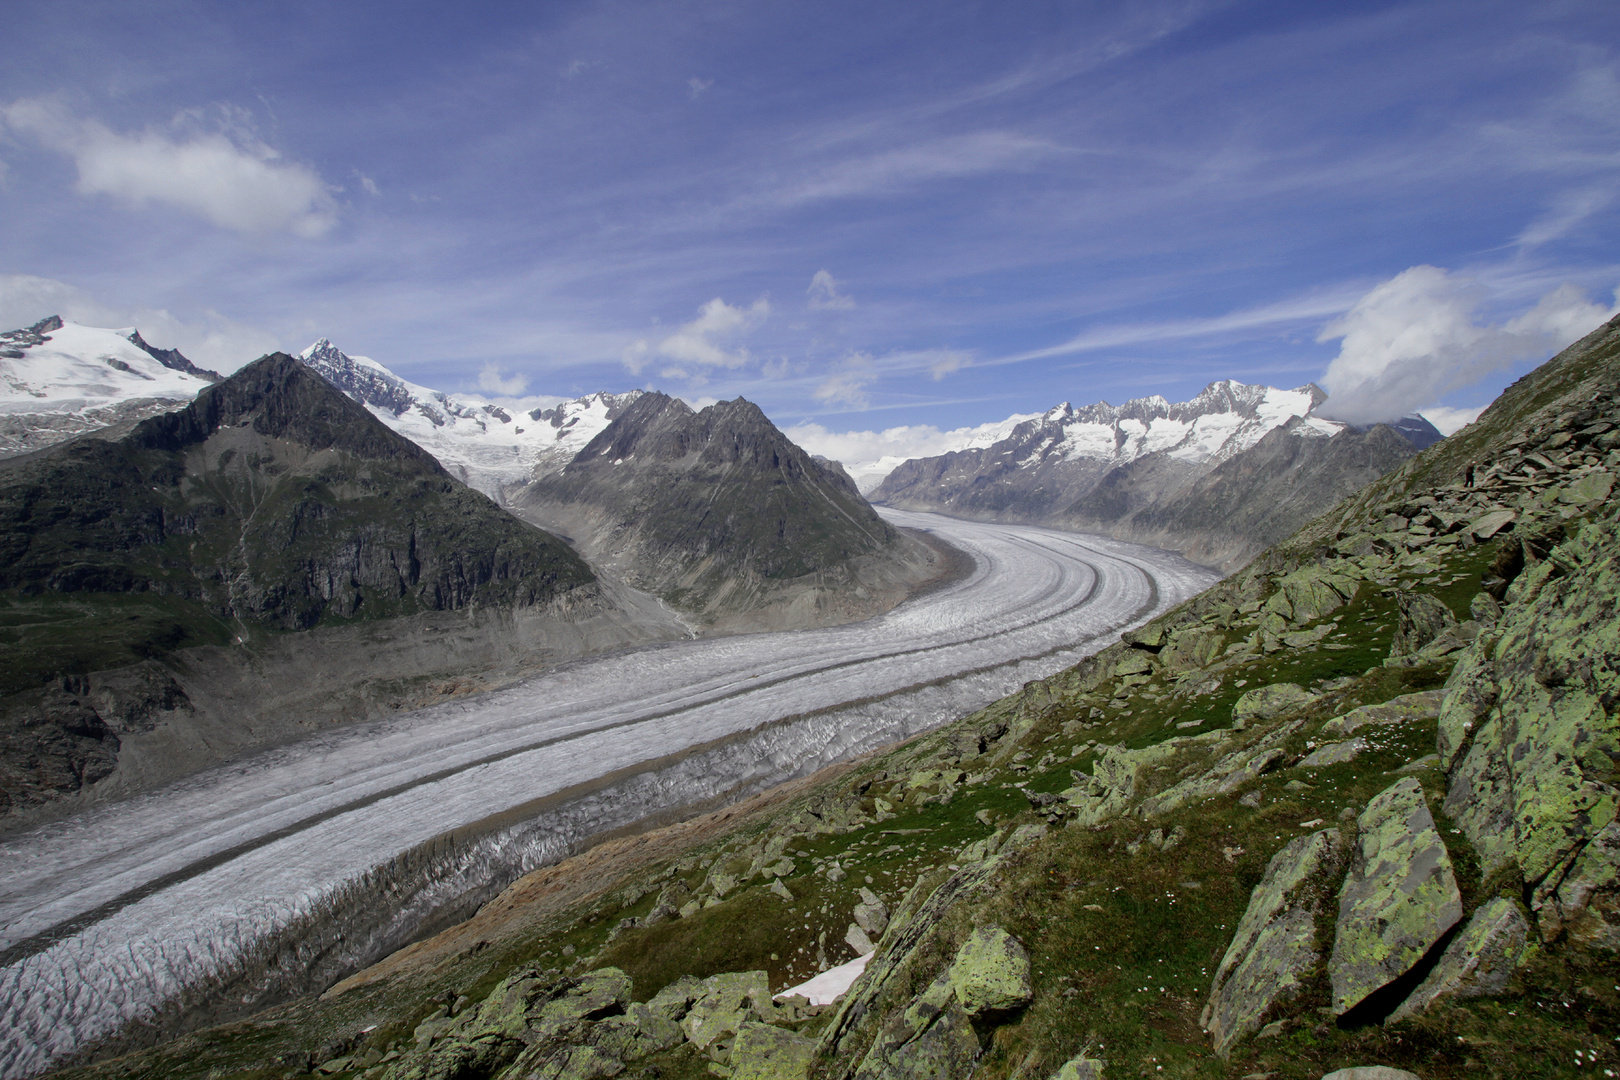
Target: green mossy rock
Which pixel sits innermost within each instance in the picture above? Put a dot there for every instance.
(1275, 947)
(1587, 904)
(1423, 618)
(1535, 782)
(932, 1037)
(1399, 899)
(763, 1052)
(1423, 705)
(1480, 960)
(1270, 702)
(991, 972)
(1080, 1068)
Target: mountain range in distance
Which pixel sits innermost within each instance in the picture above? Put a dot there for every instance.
(1218, 478)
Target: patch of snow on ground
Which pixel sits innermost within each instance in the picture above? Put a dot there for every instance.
(830, 985)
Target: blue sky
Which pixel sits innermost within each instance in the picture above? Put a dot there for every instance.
(861, 216)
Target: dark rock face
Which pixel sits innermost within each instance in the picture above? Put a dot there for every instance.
(171, 358)
(271, 503)
(705, 508)
(272, 499)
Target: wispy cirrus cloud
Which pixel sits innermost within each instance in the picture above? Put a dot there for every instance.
(214, 167)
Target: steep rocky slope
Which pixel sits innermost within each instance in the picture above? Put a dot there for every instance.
(1201, 477)
(160, 584)
(1354, 806)
(726, 519)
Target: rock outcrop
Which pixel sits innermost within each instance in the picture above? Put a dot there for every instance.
(1275, 948)
(1400, 897)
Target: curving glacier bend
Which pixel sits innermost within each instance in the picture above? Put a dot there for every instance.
(281, 873)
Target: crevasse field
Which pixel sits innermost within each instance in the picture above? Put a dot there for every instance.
(283, 872)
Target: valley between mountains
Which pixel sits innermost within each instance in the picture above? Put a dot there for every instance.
(1032, 803)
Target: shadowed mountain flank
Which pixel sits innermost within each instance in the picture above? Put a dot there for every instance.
(722, 516)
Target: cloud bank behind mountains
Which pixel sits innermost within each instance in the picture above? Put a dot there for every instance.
(1416, 337)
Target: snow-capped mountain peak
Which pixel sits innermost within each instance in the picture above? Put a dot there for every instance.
(491, 445)
(58, 379)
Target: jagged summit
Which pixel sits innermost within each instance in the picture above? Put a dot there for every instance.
(485, 444)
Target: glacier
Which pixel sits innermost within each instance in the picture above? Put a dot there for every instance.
(284, 872)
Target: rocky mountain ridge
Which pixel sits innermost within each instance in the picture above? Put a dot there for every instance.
(1201, 477)
(482, 443)
(1353, 806)
(726, 519)
(165, 586)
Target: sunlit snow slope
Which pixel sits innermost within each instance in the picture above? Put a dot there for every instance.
(58, 379)
(269, 876)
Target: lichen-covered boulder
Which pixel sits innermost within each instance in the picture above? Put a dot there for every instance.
(1586, 905)
(1081, 1068)
(932, 1037)
(729, 999)
(1480, 960)
(1192, 649)
(675, 1000)
(1336, 753)
(1534, 785)
(1399, 898)
(1470, 692)
(1423, 705)
(550, 1061)
(1269, 702)
(871, 914)
(1422, 619)
(1371, 1072)
(763, 1052)
(1309, 593)
(991, 972)
(1275, 947)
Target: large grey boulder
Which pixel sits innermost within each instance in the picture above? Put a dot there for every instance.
(1268, 702)
(1586, 905)
(762, 1052)
(1423, 705)
(1371, 1072)
(1399, 898)
(1275, 947)
(1480, 960)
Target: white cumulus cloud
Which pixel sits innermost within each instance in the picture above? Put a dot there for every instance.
(1416, 337)
(705, 342)
(824, 293)
(491, 381)
(224, 174)
(847, 386)
(210, 340)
